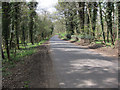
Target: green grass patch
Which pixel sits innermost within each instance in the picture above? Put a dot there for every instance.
(27, 50)
(62, 35)
(29, 45)
(19, 54)
(108, 44)
(98, 42)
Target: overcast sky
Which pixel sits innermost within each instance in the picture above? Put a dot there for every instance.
(47, 5)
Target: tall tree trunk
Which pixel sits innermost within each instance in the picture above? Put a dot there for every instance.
(94, 17)
(108, 34)
(101, 19)
(109, 20)
(76, 23)
(88, 22)
(107, 28)
(31, 30)
(113, 21)
(17, 23)
(71, 24)
(17, 37)
(32, 7)
(89, 17)
(3, 57)
(11, 38)
(5, 25)
(81, 15)
(118, 4)
(23, 33)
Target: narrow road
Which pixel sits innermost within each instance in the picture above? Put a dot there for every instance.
(76, 67)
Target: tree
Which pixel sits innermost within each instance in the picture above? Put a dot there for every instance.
(3, 57)
(89, 11)
(118, 5)
(21, 25)
(109, 20)
(94, 18)
(5, 25)
(101, 19)
(32, 6)
(81, 15)
(17, 21)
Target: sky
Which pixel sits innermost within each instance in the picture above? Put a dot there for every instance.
(47, 5)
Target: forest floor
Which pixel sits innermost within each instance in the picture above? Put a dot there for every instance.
(99, 48)
(35, 71)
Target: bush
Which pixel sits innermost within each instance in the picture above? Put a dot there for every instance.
(75, 37)
(68, 36)
(85, 37)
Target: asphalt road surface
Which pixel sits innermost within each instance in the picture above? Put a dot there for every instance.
(76, 67)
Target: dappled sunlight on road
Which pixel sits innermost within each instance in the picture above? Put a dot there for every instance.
(78, 67)
(88, 82)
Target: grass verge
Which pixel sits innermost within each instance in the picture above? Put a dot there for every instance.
(24, 51)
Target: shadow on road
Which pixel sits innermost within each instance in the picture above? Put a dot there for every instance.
(77, 67)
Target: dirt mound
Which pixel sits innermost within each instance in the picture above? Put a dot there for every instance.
(101, 48)
(95, 46)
